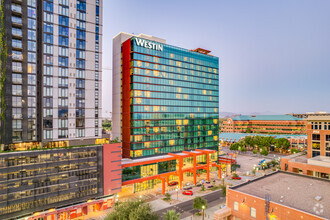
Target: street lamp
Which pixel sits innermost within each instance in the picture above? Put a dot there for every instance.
(177, 193)
(203, 207)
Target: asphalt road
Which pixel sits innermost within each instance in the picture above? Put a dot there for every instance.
(186, 208)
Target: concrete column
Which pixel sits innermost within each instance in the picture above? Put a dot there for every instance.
(208, 166)
(180, 172)
(195, 173)
(163, 186)
(167, 179)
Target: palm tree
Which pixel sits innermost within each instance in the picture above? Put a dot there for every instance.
(172, 215)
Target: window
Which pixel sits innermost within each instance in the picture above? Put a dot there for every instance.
(31, 68)
(236, 205)
(17, 101)
(253, 212)
(31, 45)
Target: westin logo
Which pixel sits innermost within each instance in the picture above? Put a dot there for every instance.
(148, 44)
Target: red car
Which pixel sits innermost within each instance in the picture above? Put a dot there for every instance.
(173, 183)
(236, 178)
(187, 192)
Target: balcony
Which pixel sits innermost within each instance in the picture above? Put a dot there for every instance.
(16, 9)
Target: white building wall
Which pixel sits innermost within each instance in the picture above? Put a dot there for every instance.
(116, 78)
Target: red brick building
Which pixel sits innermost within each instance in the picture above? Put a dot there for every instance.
(278, 196)
(265, 124)
(317, 161)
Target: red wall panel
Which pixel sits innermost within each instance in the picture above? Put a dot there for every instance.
(126, 95)
(111, 168)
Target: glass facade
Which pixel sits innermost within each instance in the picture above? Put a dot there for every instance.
(48, 179)
(174, 99)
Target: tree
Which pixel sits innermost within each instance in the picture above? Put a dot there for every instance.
(248, 130)
(264, 152)
(243, 149)
(106, 125)
(282, 143)
(235, 146)
(199, 202)
(132, 210)
(167, 197)
(203, 188)
(116, 140)
(255, 151)
(172, 215)
(249, 141)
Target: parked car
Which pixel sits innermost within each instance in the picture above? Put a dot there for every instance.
(198, 184)
(173, 183)
(236, 177)
(188, 184)
(210, 186)
(207, 182)
(187, 188)
(187, 192)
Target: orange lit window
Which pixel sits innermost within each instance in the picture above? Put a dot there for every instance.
(147, 108)
(147, 72)
(147, 144)
(156, 108)
(178, 122)
(172, 55)
(138, 101)
(178, 96)
(138, 153)
(204, 92)
(209, 132)
(185, 122)
(163, 108)
(138, 138)
(215, 138)
(139, 63)
(171, 142)
(138, 93)
(156, 129)
(156, 73)
(147, 93)
(215, 121)
(164, 129)
(185, 96)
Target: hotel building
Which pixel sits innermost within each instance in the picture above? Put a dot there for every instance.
(265, 124)
(317, 161)
(278, 196)
(52, 89)
(165, 110)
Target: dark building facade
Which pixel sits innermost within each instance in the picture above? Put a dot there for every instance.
(36, 181)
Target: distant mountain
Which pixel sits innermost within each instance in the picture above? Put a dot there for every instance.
(233, 114)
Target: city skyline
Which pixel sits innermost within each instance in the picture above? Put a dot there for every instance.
(285, 45)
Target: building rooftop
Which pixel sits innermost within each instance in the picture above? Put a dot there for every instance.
(301, 192)
(238, 136)
(266, 118)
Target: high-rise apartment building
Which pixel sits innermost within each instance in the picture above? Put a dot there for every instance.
(52, 88)
(169, 97)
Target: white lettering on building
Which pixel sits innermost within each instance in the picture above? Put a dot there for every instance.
(148, 44)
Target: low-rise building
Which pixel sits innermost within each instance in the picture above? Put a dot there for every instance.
(59, 183)
(317, 160)
(279, 195)
(265, 124)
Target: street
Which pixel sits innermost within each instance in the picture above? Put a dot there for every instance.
(186, 208)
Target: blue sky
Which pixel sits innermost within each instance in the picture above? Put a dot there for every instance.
(274, 55)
